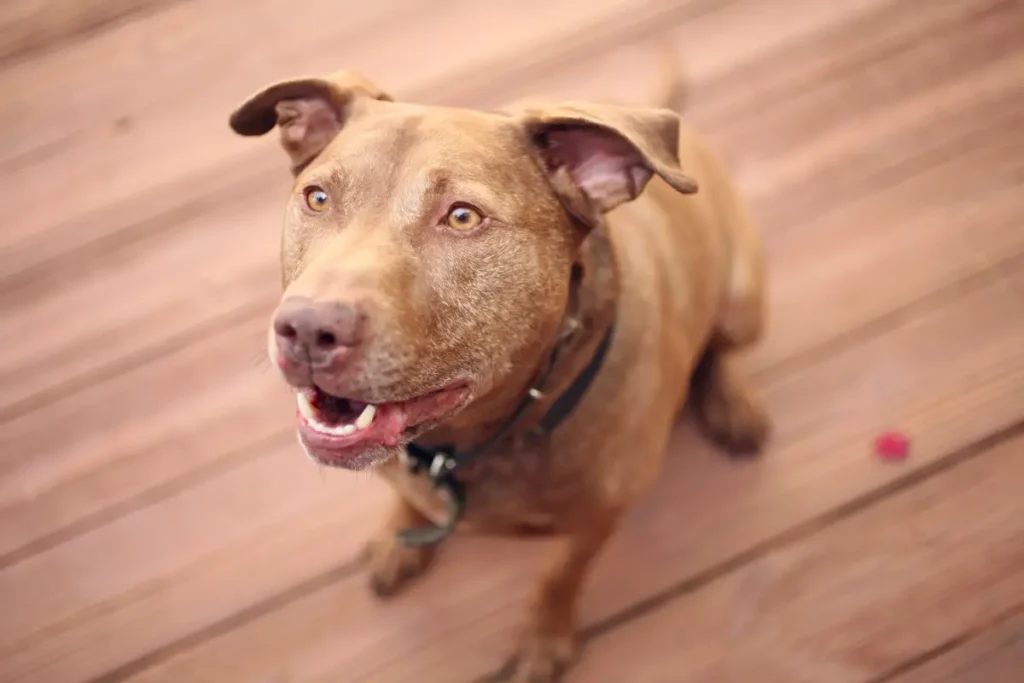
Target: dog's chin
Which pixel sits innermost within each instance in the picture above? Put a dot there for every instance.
(356, 435)
(356, 461)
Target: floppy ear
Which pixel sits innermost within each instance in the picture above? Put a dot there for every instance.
(309, 112)
(599, 156)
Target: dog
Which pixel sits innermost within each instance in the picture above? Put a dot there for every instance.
(503, 313)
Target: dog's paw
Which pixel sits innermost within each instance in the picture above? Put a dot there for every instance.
(736, 420)
(541, 659)
(730, 410)
(392, 565)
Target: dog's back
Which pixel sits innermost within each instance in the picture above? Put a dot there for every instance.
(693, 261)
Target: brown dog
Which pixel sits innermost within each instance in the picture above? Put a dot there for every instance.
(458, 277)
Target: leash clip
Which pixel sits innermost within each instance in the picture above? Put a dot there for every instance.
(436, 463)
(440, 466)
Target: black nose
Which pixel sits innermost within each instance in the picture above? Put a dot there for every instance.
(315, 331)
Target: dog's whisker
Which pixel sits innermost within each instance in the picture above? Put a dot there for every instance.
(258, 361)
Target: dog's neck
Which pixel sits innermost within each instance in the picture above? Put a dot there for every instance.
(590, 311)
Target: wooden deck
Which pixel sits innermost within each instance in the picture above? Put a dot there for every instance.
(158, 524)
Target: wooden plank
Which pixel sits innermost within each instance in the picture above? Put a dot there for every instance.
(949, 378)
(262, 527)
(971, 121)
(215, 267)
(185, 45)
(849, 603)
(27, 26)
(159, 424)
(996, 655)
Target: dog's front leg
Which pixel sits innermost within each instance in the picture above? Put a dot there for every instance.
(549, 642)
(392, 564)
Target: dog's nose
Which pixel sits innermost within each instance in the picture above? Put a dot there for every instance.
(316, 331)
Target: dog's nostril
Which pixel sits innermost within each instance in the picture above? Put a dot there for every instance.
(285, 330)
(326, 339)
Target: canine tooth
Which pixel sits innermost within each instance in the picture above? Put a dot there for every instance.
(306, 408)
(366, 417)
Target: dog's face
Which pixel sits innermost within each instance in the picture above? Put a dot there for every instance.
(427, 252)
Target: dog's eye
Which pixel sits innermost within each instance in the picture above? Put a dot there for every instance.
(316, 198)
(463, 218)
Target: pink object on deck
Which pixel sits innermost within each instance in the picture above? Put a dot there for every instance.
(892, 446)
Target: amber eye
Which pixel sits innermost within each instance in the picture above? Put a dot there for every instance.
(463, 218)
(316, 199)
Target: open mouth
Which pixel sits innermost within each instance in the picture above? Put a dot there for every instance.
(354, 434)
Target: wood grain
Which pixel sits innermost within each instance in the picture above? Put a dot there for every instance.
(851, 602)
(30, 26)
(995, 655)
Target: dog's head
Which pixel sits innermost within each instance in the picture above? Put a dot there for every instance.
(427, 252)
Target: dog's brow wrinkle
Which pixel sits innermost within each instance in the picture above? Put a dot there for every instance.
(438, 177)
(337, 177)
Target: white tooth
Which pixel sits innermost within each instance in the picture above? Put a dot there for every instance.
(366, 417)
(306, 408)
(338, 430)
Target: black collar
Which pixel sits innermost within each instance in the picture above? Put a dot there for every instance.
(441, 463)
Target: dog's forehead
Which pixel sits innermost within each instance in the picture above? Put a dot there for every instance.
(397, 131)
(467, 124)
